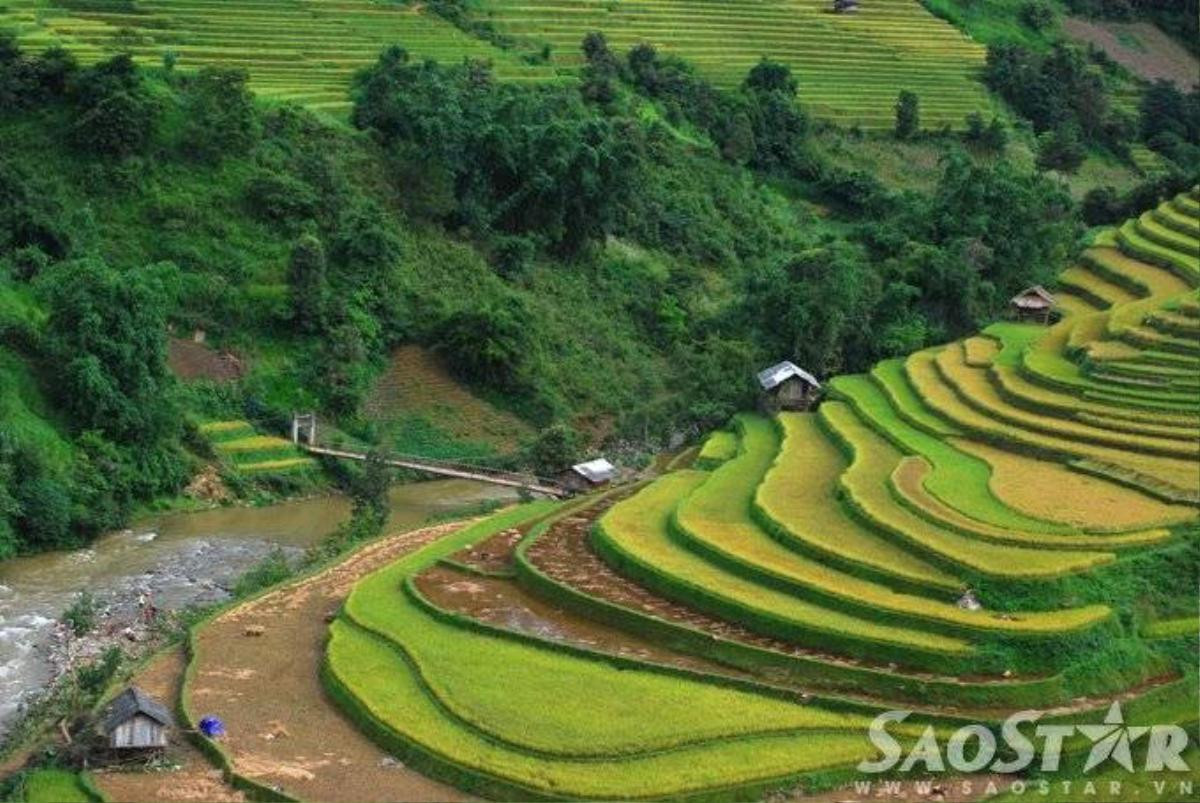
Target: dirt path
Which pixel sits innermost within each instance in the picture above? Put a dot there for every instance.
(195, 780)
(282, 729)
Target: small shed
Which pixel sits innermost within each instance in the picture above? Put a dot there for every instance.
(1033, 304)
(786, 386)
(590, 474)
(845, 6)
(135, 721)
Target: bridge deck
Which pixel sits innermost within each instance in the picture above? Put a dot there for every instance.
(443, 469)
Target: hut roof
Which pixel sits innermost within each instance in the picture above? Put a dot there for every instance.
(1036, 297)
(595, 471)
(779, 373)
(128, 704)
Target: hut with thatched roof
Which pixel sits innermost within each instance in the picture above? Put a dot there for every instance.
(1034, 304)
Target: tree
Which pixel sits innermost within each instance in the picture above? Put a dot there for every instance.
(1061, 149)
(219, 114)
(489, 343)
(1037, 14)
(106, 335)
(115, 115)
(908, 115)
(307, 286)
(601, 70)
(771, 76)
(342, 365)
(557, 448)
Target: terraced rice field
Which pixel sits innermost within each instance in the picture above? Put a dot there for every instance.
(727, 630)
(850, 66)
(240, 445)
(304, 51)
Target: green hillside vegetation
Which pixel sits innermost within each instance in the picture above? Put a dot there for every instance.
(623, 270)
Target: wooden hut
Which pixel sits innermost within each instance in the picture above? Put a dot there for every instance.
(845, 6)
(786, 386)
(135, 721)
(588, 475)
(1032, 304)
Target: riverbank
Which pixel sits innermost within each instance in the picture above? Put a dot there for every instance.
(177, 561)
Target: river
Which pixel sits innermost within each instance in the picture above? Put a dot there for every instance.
(181, 559)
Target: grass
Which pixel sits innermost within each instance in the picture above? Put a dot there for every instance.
(866, 483)
(386, 690)
(1172, 628)
(1020, 391)
(301, 52)
(957, 479)
(974, 387)
(1160, 476)
(54, 786)
(473, 699)
(1077, 500)
(416, 394)
(238, 444)
(797, 500)
(638, 529)
(718, 447)
(908, 485)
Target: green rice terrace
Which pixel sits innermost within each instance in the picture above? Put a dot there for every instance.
(961, 533)
(850, 67)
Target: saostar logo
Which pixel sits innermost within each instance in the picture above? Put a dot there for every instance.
(973, 748)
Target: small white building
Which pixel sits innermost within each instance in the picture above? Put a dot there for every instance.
(135, 721)
(590, 474)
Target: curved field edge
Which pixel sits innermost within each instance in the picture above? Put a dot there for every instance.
(448, 764)
(188, 718)
(836, 677)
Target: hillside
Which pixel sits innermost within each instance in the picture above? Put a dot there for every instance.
(825, 557)
(728, 629)
(306, 51)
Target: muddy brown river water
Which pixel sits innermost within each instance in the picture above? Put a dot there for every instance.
(180, 559)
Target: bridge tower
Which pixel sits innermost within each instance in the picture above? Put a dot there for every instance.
(304, 426)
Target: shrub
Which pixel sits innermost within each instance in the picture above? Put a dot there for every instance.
(1061, 149)
(272, 569)
(1037, 14)
(908, 115)
(81, 615)
(95, 676)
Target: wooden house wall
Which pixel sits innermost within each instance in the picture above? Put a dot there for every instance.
(140, 731)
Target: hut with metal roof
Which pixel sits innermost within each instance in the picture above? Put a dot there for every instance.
(1032, 304)
(589, 474)
(136, 721)
(786, 386)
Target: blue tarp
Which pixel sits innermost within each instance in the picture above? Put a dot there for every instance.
(212, 727)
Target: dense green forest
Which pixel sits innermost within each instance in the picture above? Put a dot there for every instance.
(625, 250)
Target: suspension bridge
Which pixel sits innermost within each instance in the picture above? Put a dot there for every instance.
(304, 436)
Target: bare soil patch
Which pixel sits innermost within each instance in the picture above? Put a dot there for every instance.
(196, 779)
(257, 669)
(191, 361)
(492, 555)
(500, 602)
(1140, 47)
(417, 383)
